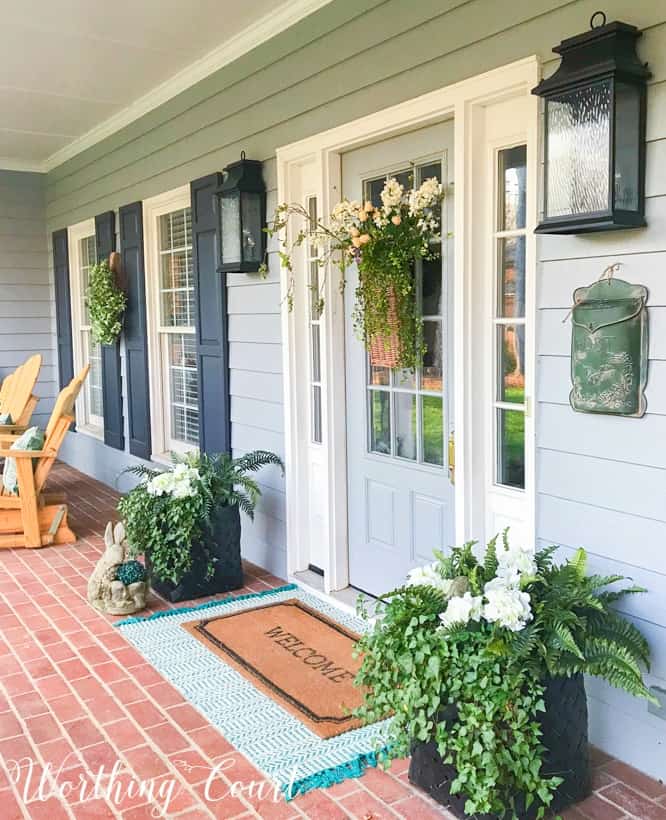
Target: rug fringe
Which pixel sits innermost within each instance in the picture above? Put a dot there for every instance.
(337, 774)
(166, 613)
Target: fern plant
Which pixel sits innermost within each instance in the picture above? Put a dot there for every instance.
(168, 514)
(477, 637)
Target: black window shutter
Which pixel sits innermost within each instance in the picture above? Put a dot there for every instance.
(212, 322)
(136, 338)
(63, 306)
(105, 238)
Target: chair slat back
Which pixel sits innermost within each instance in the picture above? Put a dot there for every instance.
(59, 423)
(5, 390)
(20, 389)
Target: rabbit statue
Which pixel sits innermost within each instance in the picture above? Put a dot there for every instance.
(105, 592)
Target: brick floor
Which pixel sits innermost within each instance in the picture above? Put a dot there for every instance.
(74, 696)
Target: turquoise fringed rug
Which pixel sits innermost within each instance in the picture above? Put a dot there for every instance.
(276, 742)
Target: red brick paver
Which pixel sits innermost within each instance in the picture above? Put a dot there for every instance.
(76, 696)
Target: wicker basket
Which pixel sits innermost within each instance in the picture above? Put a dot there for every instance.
(385, 349)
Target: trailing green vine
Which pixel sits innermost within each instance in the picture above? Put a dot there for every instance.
(384, 241)
(460, 656)
(106, 304)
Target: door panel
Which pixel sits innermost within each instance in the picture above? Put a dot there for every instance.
(400, 502)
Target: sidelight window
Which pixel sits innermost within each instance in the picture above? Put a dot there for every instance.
(509, 318)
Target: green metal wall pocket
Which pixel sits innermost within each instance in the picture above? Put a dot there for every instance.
(609, 348)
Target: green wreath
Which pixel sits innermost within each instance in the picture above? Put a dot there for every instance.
(106, 304)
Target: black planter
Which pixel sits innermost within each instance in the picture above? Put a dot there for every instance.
(564, 727)
(223, 542)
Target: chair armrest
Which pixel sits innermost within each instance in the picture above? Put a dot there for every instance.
(5, 453)
(12, 428)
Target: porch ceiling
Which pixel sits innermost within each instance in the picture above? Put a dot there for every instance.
(74, 71)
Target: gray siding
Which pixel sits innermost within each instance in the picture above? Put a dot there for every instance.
(601, 481)
(26, 310)
(257, 412)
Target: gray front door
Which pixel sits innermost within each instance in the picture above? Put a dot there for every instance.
(400, 498)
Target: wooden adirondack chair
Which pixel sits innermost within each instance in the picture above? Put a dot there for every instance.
(17, 397)
(33, 518)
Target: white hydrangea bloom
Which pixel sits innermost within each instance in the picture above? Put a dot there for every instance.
(392, 194)
(345, 215)
(177, 482)
(425, 197)
(462, 609)
(515, 563)
(506, 605)
(183, 489)
(429, 575)
(161, 484)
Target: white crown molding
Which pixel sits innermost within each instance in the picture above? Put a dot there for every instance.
(10, 164)
(263, 29)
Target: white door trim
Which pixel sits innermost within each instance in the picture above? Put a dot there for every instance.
(317, 159)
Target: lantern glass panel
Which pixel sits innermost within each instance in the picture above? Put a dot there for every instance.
(230, 229)
(252, 225)
(627, 140)
(578, 129)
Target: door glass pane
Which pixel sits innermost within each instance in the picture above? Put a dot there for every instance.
(511, 448)
(316, 354)
(432, 287)
(405, 425)
(511, 297)
(405, 379)
(432, 359)
(512, 176)
(380, 421)
(511, 376)
(433, 430)
(432, 169)
(379, 375)
(316, 414)
(374, 187)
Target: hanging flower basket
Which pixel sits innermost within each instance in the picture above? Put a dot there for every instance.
(384, 348)
(384, 241)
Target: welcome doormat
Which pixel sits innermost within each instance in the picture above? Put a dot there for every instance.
(295, 655)
(280, 744)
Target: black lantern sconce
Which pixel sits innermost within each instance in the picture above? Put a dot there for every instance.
(595, 112)
(242, 216)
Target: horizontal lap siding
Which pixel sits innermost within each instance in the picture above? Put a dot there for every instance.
(601, 480)
(26, 304)
(598, 478)
(257, 411)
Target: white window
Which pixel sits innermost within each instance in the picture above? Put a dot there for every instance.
(171, 322)
(82, 256)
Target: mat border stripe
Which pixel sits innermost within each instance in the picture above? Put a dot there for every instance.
(167, 613)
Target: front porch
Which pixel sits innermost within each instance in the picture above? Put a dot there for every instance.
(75, 696)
